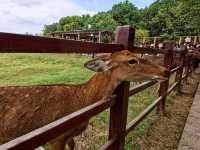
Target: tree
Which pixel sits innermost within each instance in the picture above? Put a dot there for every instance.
(103, 20)
(188, 17)
(70, 23)
(139, 34)
(166, 18)
(85, 21)
(160, 17)
(50, 28)
(125, 13)
(169, 18)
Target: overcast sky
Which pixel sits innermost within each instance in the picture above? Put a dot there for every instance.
(21, 16)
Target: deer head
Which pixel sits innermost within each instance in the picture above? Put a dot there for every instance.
(126, 66)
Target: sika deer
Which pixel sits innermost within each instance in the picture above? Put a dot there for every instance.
(23, 109)
(194, 55)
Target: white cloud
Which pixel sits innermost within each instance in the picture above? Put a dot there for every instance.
(22, 16)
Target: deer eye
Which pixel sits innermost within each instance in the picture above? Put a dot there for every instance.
(132, 61)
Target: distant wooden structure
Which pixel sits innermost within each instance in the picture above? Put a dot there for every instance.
(83, 35)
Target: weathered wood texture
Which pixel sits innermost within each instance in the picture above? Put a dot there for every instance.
(179, 72)
(16, 43)
(168, 62)
(118, 116)
(118, 113)
(141, 87)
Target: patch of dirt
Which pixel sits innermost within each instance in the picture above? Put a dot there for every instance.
(93, 138)
(165, 132)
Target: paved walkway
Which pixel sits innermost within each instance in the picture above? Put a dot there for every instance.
(190, 139)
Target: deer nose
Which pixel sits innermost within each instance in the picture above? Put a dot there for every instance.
(166, 73)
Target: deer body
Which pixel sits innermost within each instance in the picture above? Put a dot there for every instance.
(23, 109)
(33, 104)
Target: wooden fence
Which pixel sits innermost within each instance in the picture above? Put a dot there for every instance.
(118, 104)
(153, 41)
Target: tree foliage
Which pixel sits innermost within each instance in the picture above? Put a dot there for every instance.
(140, 33)
(167, 18)
(173, 17)
(50, 28)
(70, 23)
(102, 20)
(189, 17)
(125, 13)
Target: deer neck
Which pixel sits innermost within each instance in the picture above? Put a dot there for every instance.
(100, 86)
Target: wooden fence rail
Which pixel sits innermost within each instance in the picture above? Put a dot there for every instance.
(44, 134)
(118, 104)
(16, 43)
(179, 39)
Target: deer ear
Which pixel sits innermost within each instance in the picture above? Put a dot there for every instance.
(99, 64)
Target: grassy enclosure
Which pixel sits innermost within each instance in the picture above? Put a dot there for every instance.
(30, 69)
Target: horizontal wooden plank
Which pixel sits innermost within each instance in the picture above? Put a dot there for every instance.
(56, 128)
(184, 76)
(17, 43)
(175, 69)
(81, 32)
(141, 87)
(131, 126)
(171, 88)
(109, 144)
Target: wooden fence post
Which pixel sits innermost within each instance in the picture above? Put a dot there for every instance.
(179, 73)
(118, 113)
(168, 61)
(195, 40)
(187, 64)
(154, 42)
(180, 40)
(125, 35)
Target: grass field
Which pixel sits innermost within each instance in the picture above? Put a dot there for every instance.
(29, 69)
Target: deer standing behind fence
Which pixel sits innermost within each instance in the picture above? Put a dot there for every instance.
(23, 109)
(192, 54)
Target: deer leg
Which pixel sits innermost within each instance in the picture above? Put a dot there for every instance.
(71, 144)
(57, 144)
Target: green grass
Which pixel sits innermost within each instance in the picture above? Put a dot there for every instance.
(31, 69)
(137, 104)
